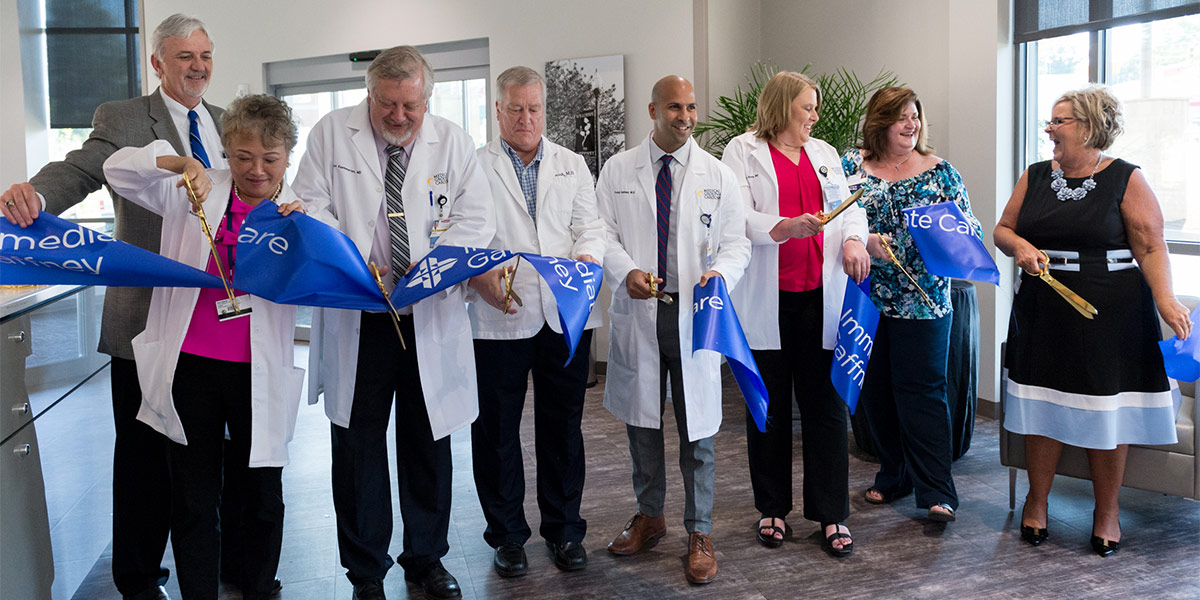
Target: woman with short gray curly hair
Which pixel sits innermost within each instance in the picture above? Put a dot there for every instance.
(1087, 378)
(206, 367)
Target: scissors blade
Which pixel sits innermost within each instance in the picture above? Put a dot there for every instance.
(1077, 302)
(847, 203)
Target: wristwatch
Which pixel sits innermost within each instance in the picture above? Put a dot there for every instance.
(856, 238)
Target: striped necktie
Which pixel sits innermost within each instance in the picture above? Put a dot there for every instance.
(662, 190)
(194, 138)
(393, 182)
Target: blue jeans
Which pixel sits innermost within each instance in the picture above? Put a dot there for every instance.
(904, 396)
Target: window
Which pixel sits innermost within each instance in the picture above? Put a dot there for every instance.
(1152, 63)
(94, 49)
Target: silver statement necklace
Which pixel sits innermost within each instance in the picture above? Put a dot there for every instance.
(1059, 185)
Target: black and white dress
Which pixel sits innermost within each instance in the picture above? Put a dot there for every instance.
(1089, 383)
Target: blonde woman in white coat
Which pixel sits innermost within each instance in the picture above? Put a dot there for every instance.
(789, 304)
(200, 375)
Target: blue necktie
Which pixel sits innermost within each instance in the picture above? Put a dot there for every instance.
(662, 190)
(194, 137)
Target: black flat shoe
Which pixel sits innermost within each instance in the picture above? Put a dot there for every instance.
(1034, 535)
(510, 560)
(568, 556)
(769, 540)
(846, 549)
(1103, 547)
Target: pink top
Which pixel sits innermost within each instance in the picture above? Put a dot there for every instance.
(799, 193)
(207, 336)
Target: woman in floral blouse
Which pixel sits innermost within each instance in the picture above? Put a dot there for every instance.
(904, 393)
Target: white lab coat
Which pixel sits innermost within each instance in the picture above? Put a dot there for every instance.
(567, 226)
(757, 298)
(626, 197)
(275, 383)
(340, 180)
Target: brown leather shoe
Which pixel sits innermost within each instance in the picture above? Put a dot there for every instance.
(701, 564)
(640, 533)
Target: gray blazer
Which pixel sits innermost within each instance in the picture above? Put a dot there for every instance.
(133, 122)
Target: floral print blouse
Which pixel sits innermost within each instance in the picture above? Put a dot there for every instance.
(892, 292)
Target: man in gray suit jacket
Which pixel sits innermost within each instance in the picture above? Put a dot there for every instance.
(182, 58)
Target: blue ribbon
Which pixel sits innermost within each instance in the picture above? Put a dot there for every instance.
(715, 327)
(1181, 359)
(948, 245)
(299, 260)
(55, 251)
(855, 339)
(575, 285)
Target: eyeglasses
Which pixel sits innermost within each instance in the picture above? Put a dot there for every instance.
(1056, 122)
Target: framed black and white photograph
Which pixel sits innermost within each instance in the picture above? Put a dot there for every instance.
(585, 106)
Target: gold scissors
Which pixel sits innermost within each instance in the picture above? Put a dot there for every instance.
(654, 293)
(847, 203)
(1084, 307)
(391, 307)
(896, 261)
(211, 244)
(509, 293)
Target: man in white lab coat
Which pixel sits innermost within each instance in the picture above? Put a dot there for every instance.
(675, 218)
(545, 203)
(396, 181)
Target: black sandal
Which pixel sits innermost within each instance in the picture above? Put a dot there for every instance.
(884, 497)
(846, 549)
(769, 540)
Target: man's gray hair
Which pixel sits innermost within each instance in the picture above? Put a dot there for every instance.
(176, 26)
(400, 64)
(519, 77)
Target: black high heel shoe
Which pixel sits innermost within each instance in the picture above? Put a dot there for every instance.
(1103, 547)
(1034, 535)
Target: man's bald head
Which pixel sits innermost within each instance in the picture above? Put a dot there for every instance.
(667, 87)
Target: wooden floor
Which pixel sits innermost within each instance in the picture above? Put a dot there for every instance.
(898, 553)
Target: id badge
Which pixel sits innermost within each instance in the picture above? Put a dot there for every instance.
(226, 311)
(831, 195)
(855, 181)
(709, 254)
(440, 226)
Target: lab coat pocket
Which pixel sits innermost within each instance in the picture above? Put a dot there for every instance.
(292, 385)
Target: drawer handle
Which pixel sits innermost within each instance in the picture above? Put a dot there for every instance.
(22, 450)
(17, 337)
(21, 409)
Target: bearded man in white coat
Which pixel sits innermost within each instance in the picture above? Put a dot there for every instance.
(545, 203)
(396, 181)
(675, 218)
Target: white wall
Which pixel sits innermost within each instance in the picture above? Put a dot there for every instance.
(728, 40)
(957, 56)
(12, 101)
(655, 37)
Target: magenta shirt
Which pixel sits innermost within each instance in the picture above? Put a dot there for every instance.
(799, 193)
(206, 336)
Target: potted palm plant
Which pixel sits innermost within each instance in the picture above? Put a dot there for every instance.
(843, 103)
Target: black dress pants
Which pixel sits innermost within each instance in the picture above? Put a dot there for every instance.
(904, 395)
(801, 366)
(362, 486)
(503, 368)
(211, 395)
(141, 489)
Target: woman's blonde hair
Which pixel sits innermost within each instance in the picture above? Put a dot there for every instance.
(775, 102)
(1100, 114)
